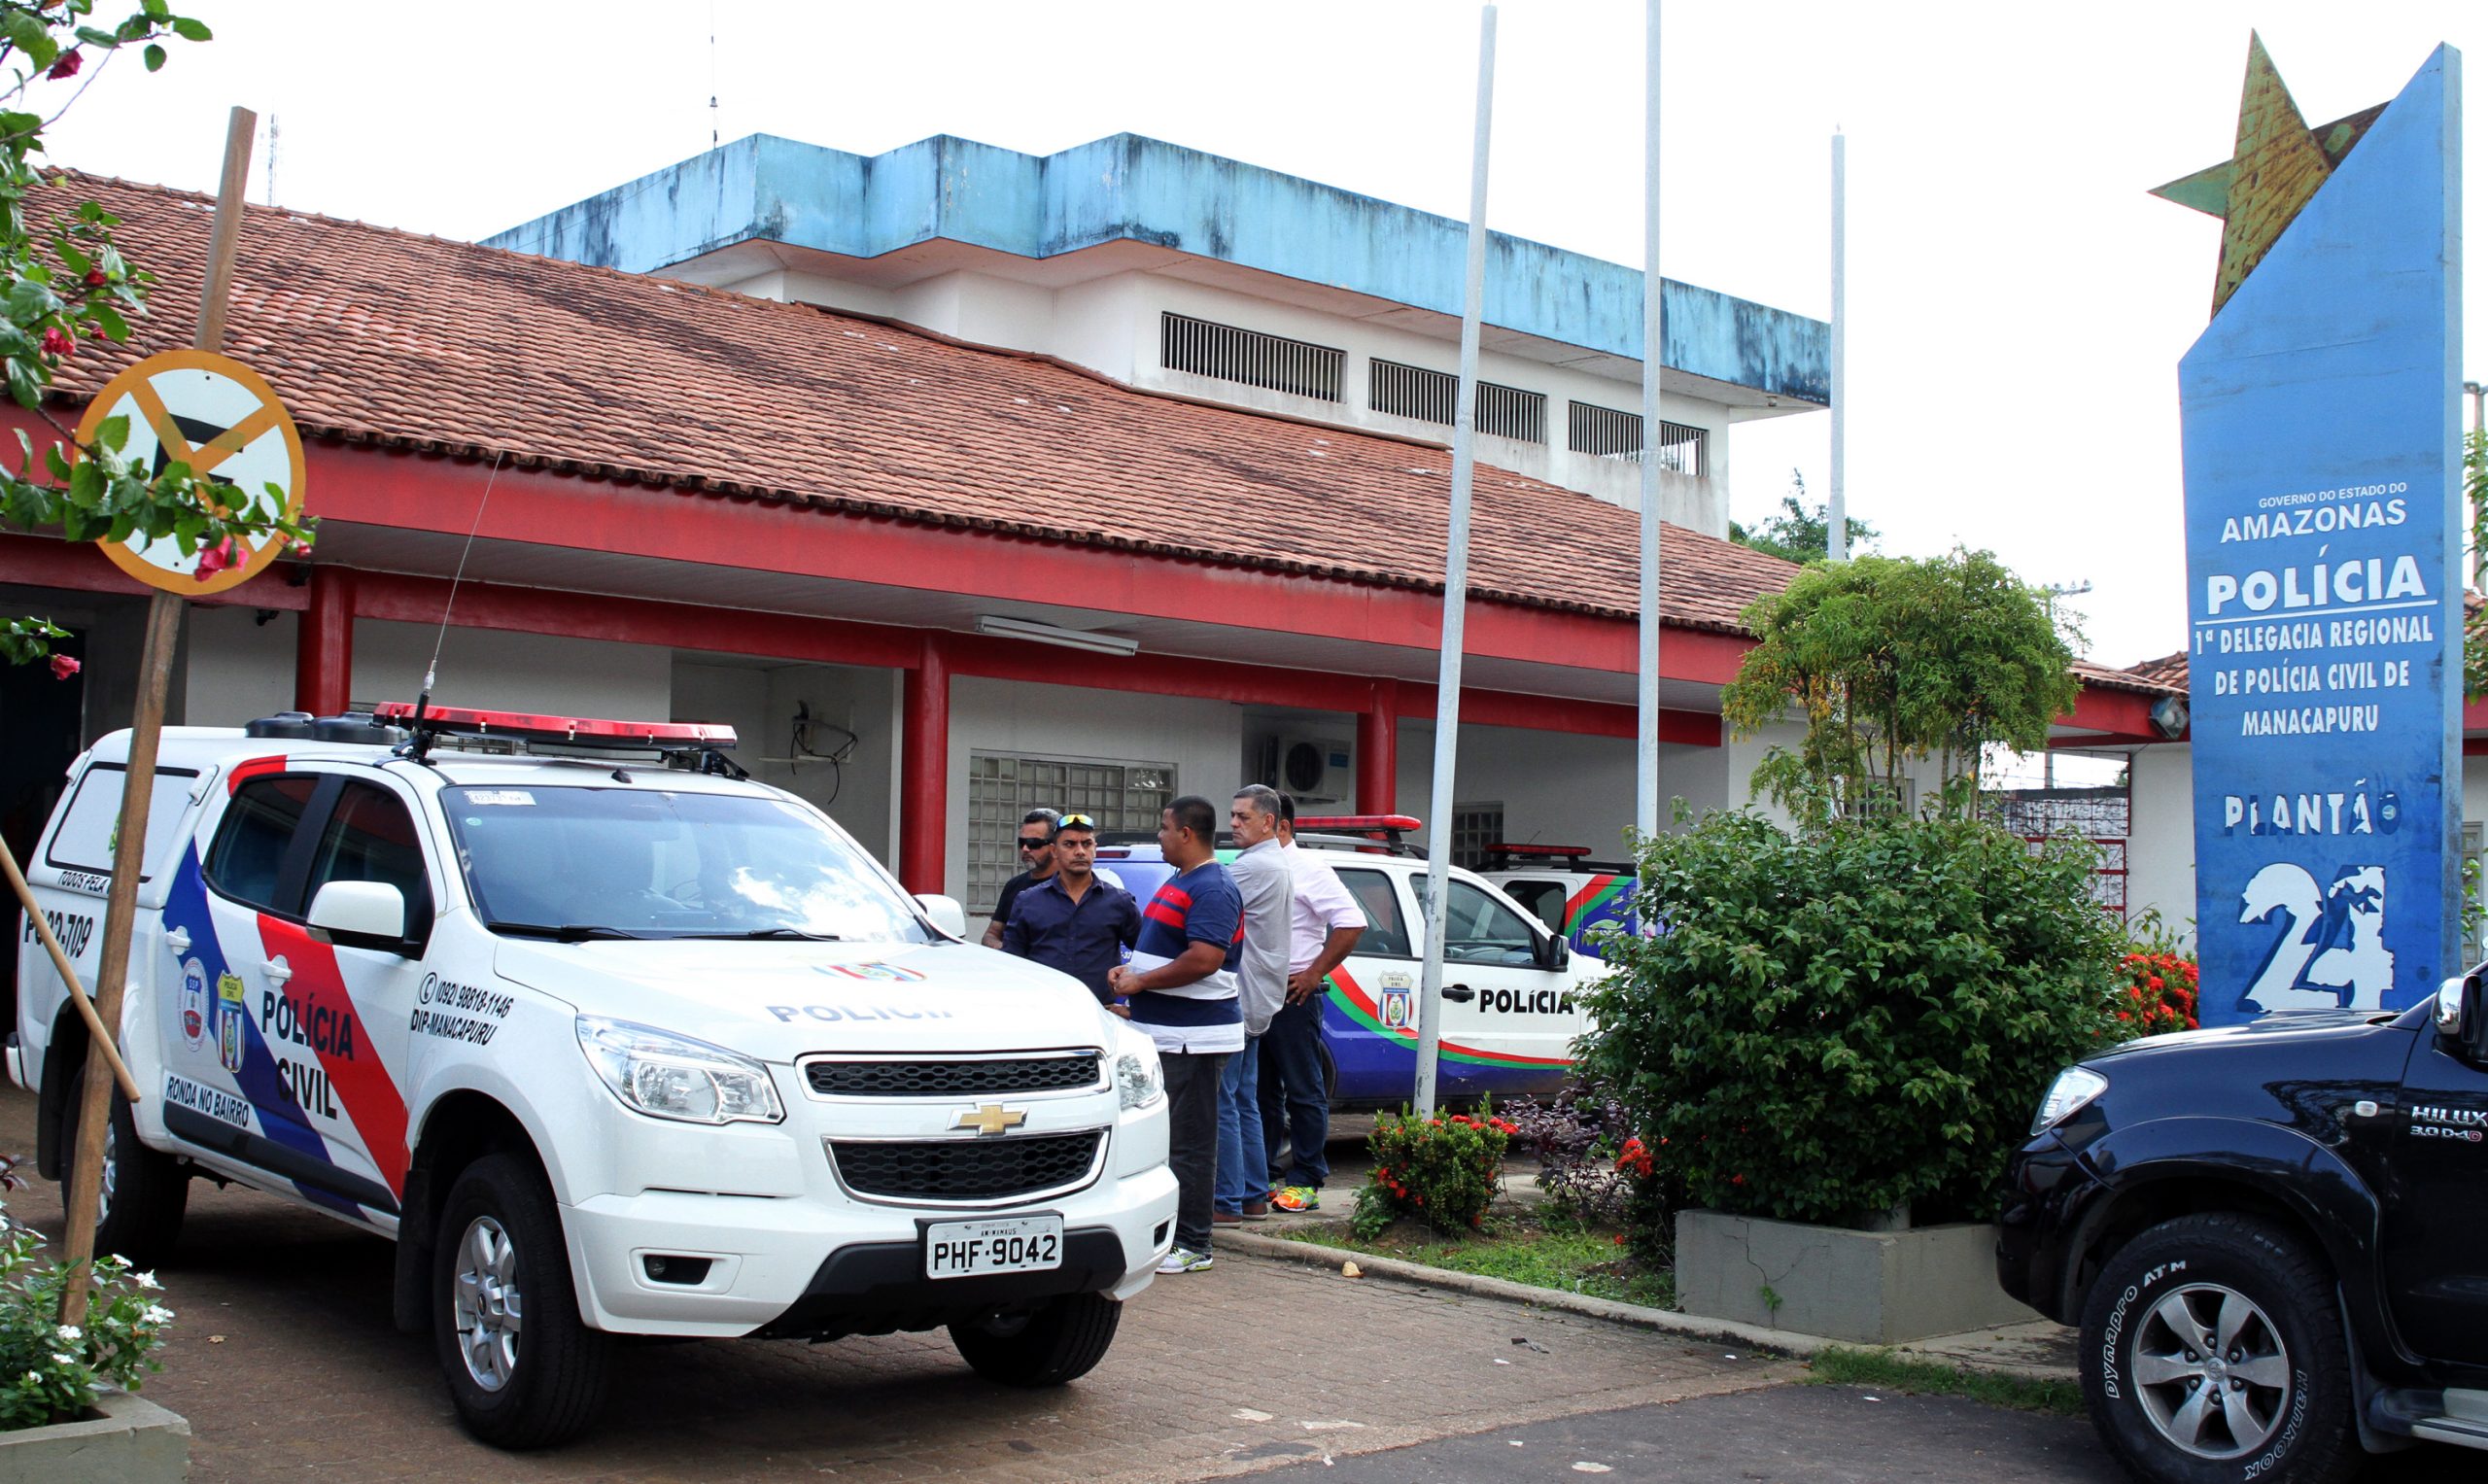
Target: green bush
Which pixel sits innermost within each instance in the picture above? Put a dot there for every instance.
(1443, 1170)
(1848, 1018)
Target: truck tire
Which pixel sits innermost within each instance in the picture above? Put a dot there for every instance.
(1058, 1343)
(2212, 1352)
(144, 1193)
(499, 1258)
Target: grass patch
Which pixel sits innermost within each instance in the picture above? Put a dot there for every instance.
(1839, 1365)
(1519, 1251)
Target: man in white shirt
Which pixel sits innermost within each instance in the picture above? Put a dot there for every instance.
(1296, 1105)
(1261, 872)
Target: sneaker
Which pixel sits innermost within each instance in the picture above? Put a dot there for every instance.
(1257, 1211)
(1226, 1219)
(1183, 1259)
(1297, 1197)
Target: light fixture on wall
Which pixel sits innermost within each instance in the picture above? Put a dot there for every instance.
(1055, 634)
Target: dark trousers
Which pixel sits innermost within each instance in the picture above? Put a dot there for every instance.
(1191, 1136)
(1296, 1105)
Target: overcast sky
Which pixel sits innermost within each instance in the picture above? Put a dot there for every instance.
(2018, 303)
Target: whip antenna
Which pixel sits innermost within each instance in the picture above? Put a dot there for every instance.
(433, 670)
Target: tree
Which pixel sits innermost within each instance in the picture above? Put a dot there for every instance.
(2475, 626)
(1798, 533)
(67, 282)
(1894, 661)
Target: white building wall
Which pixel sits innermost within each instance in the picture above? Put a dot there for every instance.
(497, 670)
(2159, 838)
(235, 669)
(759, 702)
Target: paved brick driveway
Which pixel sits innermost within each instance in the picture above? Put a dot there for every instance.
(308, 1377)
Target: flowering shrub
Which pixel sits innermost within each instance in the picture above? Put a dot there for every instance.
(2160, 993)
(1443, 1170)
(50, 1371)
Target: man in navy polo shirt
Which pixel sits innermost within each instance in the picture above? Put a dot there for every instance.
(1182, 980)
(1078, 919)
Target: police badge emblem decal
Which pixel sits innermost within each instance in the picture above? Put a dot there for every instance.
(1398, 1007)
(195, 1004)
(228, 1021)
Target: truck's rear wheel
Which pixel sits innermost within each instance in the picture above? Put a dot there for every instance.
(144, 1194)
(2212, 1350)
(522, 1371)
(1060, 1342)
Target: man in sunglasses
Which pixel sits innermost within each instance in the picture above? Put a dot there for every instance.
(1036, 855)
(1079, 919)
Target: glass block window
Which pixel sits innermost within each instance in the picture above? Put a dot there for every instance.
(1002, 789)
(1474, 827)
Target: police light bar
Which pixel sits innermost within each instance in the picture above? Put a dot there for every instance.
(1503, 847)
(572, 731)
(1360, 823)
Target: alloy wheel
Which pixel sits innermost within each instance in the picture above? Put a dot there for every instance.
(2212, 1372)
(486, 1303)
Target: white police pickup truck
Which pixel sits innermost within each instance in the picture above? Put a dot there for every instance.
(612, 1043)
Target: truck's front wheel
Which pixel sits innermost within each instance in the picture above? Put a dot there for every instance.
(2212, 1351)
(522, 1371)
(1060, 1342)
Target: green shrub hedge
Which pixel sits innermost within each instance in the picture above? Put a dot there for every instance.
(1853, 1017)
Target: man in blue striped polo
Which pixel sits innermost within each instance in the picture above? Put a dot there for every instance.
(1182, 982)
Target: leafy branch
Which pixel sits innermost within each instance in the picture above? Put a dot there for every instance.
(63, 282)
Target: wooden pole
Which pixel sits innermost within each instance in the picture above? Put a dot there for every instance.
(138, 785)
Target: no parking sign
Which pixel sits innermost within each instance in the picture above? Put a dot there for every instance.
(218, 416)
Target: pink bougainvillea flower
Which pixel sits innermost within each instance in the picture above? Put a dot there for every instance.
(224, 555)
(57, 341)
(67, 65)
(63, 666)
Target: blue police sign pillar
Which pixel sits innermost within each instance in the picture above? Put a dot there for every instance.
(2322, 517)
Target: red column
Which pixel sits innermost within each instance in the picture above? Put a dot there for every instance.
(324, 646)
(1378, 750)
(924, 771)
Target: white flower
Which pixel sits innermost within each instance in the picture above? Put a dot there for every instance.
(154, 1314)
(32, 1379)
(57, 1359)
(147, 1281)
(72, 1332)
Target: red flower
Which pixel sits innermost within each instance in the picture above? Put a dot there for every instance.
(2125, 1015)
(68, 65)
(226, 553)
(1735, 1180)
(2154, 983)
(96, 278)
(57, 341)
(63, 666)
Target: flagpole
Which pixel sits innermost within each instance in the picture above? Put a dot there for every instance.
(1455, 589)
(1645, 798)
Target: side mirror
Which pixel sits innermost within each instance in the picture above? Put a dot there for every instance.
(1554, 951)
(2461, 1018)
(364, 915)
(945, 912)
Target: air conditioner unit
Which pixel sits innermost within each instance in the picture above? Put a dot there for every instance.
(1314, 769)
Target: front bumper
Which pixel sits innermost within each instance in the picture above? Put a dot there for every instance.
(2049, 1188)
(819, 1267)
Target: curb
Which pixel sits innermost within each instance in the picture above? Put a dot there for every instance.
(1692, 1326)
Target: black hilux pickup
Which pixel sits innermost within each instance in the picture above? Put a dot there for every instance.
(2274, 1238)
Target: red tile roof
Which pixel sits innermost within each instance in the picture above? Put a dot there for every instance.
(391, 337)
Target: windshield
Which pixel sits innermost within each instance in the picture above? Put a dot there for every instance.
(642, 862)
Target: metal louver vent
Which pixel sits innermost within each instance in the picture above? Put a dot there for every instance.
(1227, 353)
(1605, 432)
(1431, 396)
(938, 1170)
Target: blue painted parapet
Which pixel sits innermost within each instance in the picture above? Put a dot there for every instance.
(2322, 520)
(1131, 189)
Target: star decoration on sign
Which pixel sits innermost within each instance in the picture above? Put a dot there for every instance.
(2278, 166)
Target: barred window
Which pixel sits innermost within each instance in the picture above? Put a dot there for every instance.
(1433, 396)
(1002, 789)
(1608, 432)
(1250, 357)
(1474, 827)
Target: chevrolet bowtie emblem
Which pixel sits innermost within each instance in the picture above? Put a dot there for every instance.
(990, 1118)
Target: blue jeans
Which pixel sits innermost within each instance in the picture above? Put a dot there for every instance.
(1296, 1106)
(1243, 1171)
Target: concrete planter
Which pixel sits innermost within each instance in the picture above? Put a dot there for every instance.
(126, 1440)
(1874, 1288)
